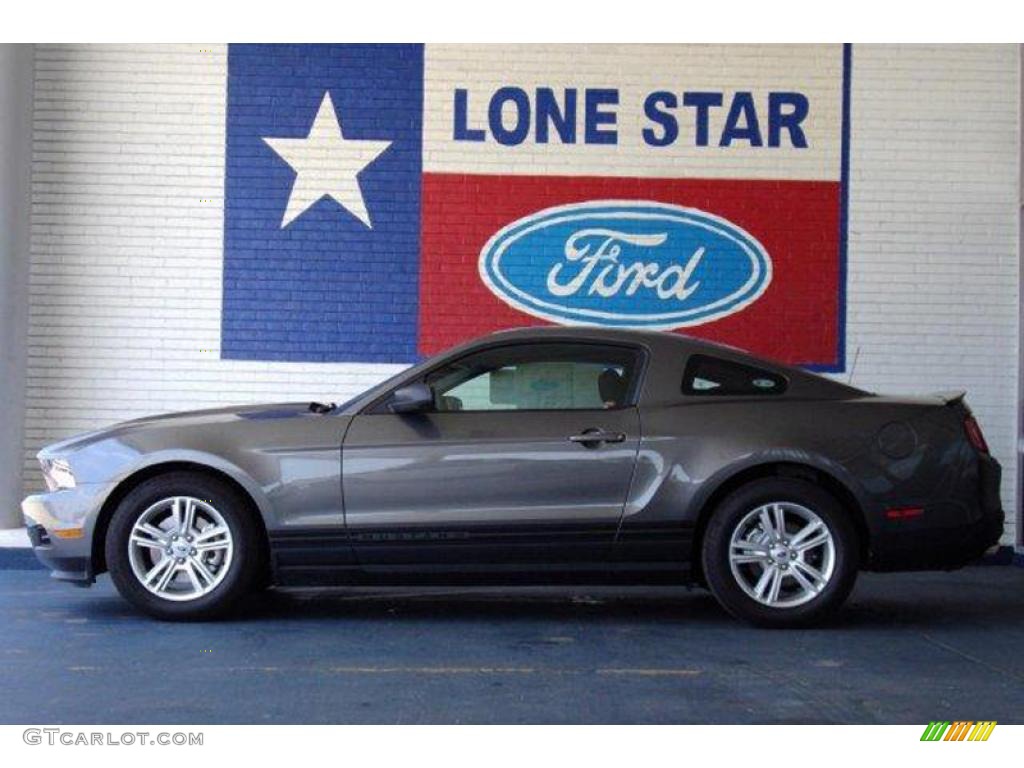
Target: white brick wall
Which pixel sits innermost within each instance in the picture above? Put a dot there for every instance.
(933, 232)
(128, 165)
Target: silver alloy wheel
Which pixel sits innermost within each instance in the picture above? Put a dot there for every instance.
(782, 554)
(180, 548)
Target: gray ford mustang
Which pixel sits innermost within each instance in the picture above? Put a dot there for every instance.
(532, 456)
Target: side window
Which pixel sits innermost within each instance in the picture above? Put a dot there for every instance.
(537, 377)
(712, 376)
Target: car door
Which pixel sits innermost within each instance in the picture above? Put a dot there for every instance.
(524, 458)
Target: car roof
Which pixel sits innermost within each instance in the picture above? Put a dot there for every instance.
(670, 350)
(628, 335)
(530, 333)
(663, 343)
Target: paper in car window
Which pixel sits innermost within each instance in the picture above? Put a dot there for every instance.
(704, 384)
(503, 386)
(544, 385)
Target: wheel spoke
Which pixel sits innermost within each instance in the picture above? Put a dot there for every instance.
(202, 570)
(779, 514)
(152, 530)
(212, 546)
(811, 543)
(745, 559)
(766, 523)
(167, 576)
(201, 579)
(773, 593)
(804, 532)
(157, 569)
(188, 517)
(154, 538)
(209, 533)
(802, 580)
(816, 576)
(748, 546)
(764, 581)
(177, 514)
(162, 572)
(142, 541)
(189, 568)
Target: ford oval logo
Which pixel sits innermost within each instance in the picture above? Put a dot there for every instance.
(626, 264)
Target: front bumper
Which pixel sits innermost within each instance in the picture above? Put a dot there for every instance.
(60, 527)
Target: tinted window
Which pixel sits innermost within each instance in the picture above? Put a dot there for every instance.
(712, 376)
(537, 377)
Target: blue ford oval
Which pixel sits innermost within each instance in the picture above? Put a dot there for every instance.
(625, 264)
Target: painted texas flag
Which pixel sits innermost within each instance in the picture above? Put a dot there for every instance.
(385, 202)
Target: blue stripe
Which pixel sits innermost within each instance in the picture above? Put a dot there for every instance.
(326, 287)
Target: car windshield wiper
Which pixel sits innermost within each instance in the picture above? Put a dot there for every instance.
(316, 407)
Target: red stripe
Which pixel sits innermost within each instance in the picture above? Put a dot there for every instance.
(795, 321)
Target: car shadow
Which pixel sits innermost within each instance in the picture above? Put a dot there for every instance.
(883, 603)
(484, 604)
(866, 611)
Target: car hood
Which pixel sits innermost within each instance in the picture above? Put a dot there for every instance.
(206, 417)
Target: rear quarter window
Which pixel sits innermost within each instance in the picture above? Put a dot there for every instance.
(710, 376)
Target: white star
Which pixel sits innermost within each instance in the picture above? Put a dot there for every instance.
(326, 165)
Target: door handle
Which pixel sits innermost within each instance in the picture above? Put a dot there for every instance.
(597, 436)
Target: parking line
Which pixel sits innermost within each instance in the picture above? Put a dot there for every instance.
(655, 672)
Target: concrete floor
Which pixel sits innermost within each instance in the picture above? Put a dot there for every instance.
(908, 649)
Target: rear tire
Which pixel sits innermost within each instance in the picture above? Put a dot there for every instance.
(183, 546)
(780, 552)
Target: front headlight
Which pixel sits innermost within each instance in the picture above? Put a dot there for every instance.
(58, 474)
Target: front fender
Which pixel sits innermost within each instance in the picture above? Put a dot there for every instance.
(202, 460)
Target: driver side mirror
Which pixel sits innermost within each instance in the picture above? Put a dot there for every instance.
(412, 398)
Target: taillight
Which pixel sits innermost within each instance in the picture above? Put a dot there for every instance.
(974, 434)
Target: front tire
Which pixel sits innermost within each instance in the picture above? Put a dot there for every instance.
(183, 546)
(780, 553)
